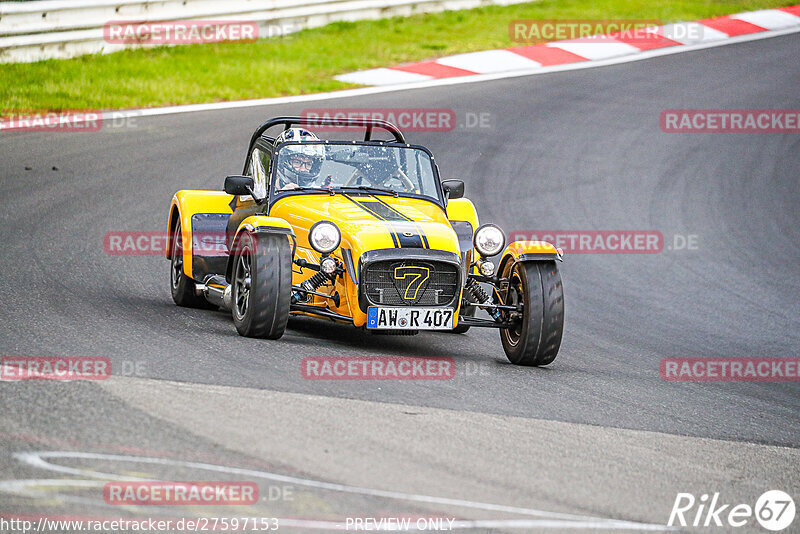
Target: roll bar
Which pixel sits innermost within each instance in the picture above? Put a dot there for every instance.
(368, 124)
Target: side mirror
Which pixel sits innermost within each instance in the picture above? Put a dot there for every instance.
(239, 185)
(453, 189)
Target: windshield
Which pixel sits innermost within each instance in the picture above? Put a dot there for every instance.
(340, 167)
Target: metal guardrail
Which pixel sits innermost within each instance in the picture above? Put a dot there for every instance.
(45, 29)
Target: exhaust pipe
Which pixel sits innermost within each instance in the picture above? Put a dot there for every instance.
(217, 291)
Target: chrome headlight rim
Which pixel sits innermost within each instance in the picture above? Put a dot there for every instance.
(328, 265)
(323, 226)
(487, 253)
(486, 268)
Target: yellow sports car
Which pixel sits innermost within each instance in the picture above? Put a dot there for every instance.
(363, 233)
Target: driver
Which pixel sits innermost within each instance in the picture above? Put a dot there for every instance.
(382, 169)
(299, 165)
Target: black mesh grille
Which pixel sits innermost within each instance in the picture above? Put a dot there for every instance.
(411, 283)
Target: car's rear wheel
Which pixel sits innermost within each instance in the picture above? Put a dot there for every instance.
(262, 285)
(537, 337)
(182, 286)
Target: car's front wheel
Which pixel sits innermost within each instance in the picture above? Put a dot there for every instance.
(262, 285)
(536, 338)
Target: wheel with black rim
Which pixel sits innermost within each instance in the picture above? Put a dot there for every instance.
(182, 286)
(536, 336)
(262, 285)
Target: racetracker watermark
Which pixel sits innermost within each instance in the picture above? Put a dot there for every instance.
(156, 243)
(88, 121)
(730, 120)
(730, 369)
(774, 510)
(582, 30)
(377, 368)
(180, 493)
(68, 121)
(597, 241)
(177, 32)
(407, 119)
(15, 368)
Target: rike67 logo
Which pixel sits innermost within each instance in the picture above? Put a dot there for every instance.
(774, 510)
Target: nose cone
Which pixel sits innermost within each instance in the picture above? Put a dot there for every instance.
(370, 222)
(397, 223)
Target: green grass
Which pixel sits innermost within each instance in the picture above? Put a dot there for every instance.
(304, 62)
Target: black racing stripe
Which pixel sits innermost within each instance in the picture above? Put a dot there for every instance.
(394, 219)
(392, 209)
(424, 238)
(395, 237)
(408, 241)
(383, 210)
(398, 222)
(404, 217)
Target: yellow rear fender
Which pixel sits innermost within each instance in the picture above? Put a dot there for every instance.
(211, 207)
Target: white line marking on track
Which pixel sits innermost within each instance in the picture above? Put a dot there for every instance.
(553, 519)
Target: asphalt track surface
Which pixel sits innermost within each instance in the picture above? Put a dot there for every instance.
(597, 434)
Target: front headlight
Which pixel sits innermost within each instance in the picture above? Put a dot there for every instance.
(324, 237)
(489, 240)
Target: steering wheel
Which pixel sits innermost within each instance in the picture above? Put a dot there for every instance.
(407, 184)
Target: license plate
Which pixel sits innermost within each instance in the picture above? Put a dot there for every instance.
(385, 318)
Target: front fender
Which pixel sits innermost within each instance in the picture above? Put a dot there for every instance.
(464, 220)
(263, 224)
(257, 224)
(530, 251)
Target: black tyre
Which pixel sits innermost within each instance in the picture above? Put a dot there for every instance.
(182, 286)
(537, 338)
(262, 285)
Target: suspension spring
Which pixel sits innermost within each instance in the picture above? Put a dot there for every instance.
(310, 285)
(477, 292)
(315, 281)
(481, 297)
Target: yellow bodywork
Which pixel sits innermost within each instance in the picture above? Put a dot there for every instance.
(462, 209)
(186, 203)
(362, 219)
(367, 222)
(518, 248)
(262, 221)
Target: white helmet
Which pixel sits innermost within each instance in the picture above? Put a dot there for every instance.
(300, 163)
(295, 134)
